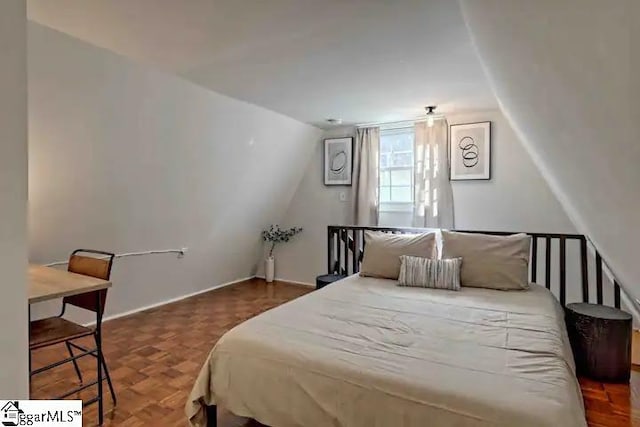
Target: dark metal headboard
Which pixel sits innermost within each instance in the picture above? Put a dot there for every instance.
(345, 246)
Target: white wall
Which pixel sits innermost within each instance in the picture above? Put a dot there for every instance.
(13, 201)
(517, 198)
(313, 207)
(125, 158)
(565, 74)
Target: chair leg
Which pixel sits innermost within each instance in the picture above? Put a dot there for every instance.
(29, 332)
(30, 375)
(106, 373)
(75, 362)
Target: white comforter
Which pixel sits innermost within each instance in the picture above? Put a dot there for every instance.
(365, 352)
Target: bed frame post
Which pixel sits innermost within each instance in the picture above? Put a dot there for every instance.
(534, 259)
(547, 262)
(329, 249)
(584, 269)
(563, 271)
(212, 415)
(599, 298)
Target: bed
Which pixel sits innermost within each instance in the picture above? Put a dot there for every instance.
(365, 352)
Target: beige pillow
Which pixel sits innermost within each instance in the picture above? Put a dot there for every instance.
(494, 262)
(382, 252)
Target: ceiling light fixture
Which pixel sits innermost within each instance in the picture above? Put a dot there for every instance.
(430, 114)
(334, 121)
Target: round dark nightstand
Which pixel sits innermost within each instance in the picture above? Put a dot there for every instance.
(325, 279)
(601, 341)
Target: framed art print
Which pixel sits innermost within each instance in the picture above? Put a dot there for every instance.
(338, 161)
(470, 151)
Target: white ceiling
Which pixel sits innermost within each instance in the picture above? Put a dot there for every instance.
(358, 60)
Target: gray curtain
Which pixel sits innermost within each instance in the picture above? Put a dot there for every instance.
(365, 176)
(433, 195)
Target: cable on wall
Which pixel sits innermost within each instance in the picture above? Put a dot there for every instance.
(181, 252)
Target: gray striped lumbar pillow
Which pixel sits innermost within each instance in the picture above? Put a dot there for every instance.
(430, 273)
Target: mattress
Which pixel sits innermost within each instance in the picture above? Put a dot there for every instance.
(366, 352)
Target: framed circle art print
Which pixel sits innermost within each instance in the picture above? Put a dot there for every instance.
(338, 161)
(470, 151)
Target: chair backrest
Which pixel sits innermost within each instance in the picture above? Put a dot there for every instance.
(99, 266)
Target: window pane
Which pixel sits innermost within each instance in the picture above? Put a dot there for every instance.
(401, 194)
(385, 178)
(384, 160)
(402, 159)
(385, 194)
(403, 141)
(386, 144)
(396, 167)
(401, 177)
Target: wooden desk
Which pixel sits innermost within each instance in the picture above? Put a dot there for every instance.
(47, 283)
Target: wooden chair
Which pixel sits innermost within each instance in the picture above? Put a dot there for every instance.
(56, 330)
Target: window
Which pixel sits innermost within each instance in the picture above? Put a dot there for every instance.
(396, 169)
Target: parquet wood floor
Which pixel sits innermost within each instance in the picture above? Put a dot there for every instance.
(154, 357)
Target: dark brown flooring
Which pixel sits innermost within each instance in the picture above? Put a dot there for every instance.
(155, 356)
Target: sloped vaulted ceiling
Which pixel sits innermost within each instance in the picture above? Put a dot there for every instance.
(359, 60)
(565, 73)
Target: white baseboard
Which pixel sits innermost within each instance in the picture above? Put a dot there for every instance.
(181, 297)
(295, 282)
(169, 301)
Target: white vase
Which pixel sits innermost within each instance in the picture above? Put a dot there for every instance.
(269, 269)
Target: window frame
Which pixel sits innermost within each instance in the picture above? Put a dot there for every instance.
(394, 205)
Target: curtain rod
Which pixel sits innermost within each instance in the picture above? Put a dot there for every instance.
(399, 123)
